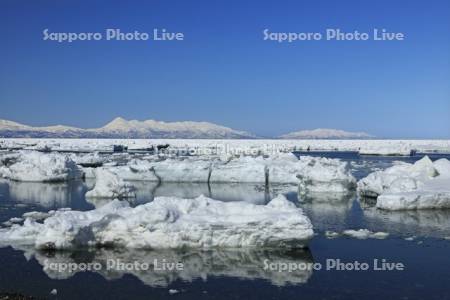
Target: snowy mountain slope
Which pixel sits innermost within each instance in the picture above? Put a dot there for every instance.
(322, 133)
(121, 128)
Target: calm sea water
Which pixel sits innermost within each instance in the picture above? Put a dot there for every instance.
(417, 240)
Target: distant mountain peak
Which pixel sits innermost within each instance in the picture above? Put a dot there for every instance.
(326, 133)
(122, 128)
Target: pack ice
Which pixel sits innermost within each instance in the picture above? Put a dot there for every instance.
(169, 222)
(313, 173)
(110, 185)
(40, 167)
(422, 185)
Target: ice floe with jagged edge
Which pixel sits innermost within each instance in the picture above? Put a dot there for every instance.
(314, 174)
(41, 167)
(422, 185)
(149, 266)
(110, 185)
(363, 234)
(377, 147)
(326, 175)
(169, 222)
(93, 159)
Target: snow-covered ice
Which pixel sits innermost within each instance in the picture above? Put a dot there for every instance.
(135, 170)
(365, 234)
(372, 146)
(187, 170)
(169, 222)
(327, 175)
(422, 185)
(110, 185)
(245, 169)
(41, 167)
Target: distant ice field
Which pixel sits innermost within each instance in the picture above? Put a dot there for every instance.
(205, 146)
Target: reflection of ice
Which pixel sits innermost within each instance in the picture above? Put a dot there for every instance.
(147, 191)
(243, 264)
(182, 190)
(48, 195)
(328, 211)
(426, 223)
(239, 192)
(220, 191)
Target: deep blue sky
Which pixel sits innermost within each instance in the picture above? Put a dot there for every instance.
(224, 72)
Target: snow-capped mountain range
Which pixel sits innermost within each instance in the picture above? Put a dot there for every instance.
(121, 128)
(322, 133)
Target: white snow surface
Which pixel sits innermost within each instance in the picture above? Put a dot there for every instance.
(319, 174)
(169, 222)
(365, 234)
(110, 185)
(221, 146)
(41, 167)
(422, 185)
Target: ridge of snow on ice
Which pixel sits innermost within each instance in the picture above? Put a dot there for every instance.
(169, 222)
(110, 185)
(422, 185)
(43, 167)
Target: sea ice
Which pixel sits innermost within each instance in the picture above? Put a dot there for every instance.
(422, 185)
(136, 170)
(245, 169)
(365, 234)
(169, 222)
(41, 167)
(324, 175)
(187, 170)
(399, 177)
(110, 185)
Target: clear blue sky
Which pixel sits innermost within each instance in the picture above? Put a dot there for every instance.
(223, 72)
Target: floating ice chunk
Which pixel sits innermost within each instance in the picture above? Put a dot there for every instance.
(42, 167)
(283, 168)
(89, 160)
(169, 223)
(402, 176)
(15, 220)
(319, 174)
(187, 170)
(244, 169)
(332, 234)
(422, 185)
(36, 215)
(89, 172)
(110, 185)
(136, 170)
(442, 166)
(365, 234)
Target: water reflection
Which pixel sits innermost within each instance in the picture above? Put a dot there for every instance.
(196, 264)
(420, 223)
(46, 195)
(328, 211)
